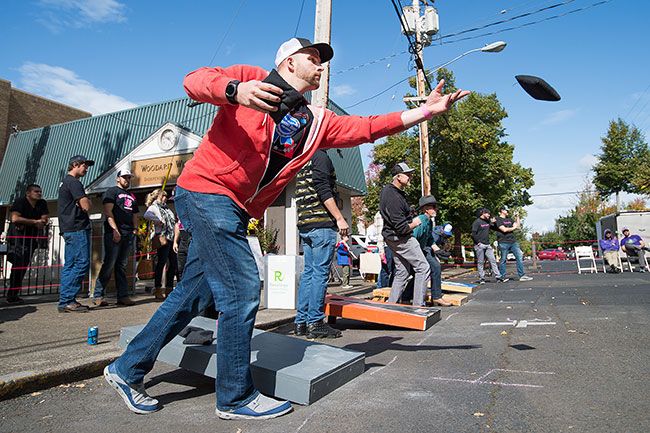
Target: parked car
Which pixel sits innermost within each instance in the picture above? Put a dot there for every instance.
(551, 254)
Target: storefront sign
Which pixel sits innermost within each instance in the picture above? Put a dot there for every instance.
(280, 282)
(152, 172)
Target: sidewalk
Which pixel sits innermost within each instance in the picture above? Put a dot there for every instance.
(41, 348)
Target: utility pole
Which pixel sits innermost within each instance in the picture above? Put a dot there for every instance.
(423, 128)
(423, 28)
(323, 33)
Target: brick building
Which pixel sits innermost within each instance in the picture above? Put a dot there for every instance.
(20, 111)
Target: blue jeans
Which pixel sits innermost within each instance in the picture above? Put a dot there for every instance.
(116, 256)
(436, 274)
(318, 247)
(387, 273)
(504, 248)
(75, 268)
(220, 272)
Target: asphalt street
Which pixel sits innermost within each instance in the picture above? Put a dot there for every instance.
(561, 353)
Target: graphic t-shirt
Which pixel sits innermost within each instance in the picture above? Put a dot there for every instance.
(288, 141)
(509, 237)
(124, 206)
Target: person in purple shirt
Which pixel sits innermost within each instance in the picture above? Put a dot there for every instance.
(609, 245)
(633, 245)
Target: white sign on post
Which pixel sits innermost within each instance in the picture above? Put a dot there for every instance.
(280, 282)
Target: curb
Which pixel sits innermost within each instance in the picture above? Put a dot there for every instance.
(39, 381)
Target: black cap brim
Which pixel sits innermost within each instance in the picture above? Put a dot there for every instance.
(325, 51)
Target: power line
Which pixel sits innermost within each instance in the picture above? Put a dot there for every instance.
(560, 193)
(637, 101)
(496, 23)
(302, 5)
(371, 62)
(241, 3)
(582, 9)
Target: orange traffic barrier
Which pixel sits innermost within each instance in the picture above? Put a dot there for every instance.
(403, 316)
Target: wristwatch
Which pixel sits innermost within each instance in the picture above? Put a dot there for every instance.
(231, 91)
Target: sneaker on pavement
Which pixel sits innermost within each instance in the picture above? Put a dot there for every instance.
(262, 407)
(502, 279)
(347, 286)
(481, 281)
(525, 278)
(125, 301)
(73, 307)
(136, 399)
(321, 330)
(99, 302)
(299, 328)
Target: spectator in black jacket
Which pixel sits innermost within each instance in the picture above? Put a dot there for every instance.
(399, 223)
(481, 234)
(319, 218)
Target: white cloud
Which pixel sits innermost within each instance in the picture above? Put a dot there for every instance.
(64, 86)
(587, 162)
(559, 117)
(343, 90)
(81, 13)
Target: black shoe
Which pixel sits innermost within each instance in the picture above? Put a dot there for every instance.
(502, 280)
(299, 328)
(15, 300)
(481, 281)
(322, 330)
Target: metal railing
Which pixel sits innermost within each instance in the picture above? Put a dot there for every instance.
(31, 264)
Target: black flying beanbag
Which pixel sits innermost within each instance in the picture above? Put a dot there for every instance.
(538, 88)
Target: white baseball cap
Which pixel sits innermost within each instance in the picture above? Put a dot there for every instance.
(124, 172)
(294, 45)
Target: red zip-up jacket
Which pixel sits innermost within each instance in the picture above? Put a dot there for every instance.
(234, 153)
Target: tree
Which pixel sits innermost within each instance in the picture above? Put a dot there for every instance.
(471, 163)
(638, 204)
(580, 223)
(623, 150)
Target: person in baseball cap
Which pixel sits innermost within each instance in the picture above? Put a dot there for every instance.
(402, 167)
(264, 132)
(80, 159)
(293, 45)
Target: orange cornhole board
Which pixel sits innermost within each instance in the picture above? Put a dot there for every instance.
(403, 316)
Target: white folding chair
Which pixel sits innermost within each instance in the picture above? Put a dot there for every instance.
(623, 259)
(585, 253)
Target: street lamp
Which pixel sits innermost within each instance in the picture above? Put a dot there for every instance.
(494, 47)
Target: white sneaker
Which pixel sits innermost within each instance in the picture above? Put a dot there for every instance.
(136, 399)
(261, 407)
(525, 278)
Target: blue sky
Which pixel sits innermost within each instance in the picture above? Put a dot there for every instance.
(107, 55)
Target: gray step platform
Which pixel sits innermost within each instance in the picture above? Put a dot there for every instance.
(285, 367)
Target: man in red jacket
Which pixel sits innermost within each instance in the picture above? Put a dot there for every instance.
(263, 133)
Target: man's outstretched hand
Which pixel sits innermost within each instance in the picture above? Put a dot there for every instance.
(438, 103)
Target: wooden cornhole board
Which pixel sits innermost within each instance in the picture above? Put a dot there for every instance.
(456, 299)
(452, 286)
(285, 367)
(403, 316)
